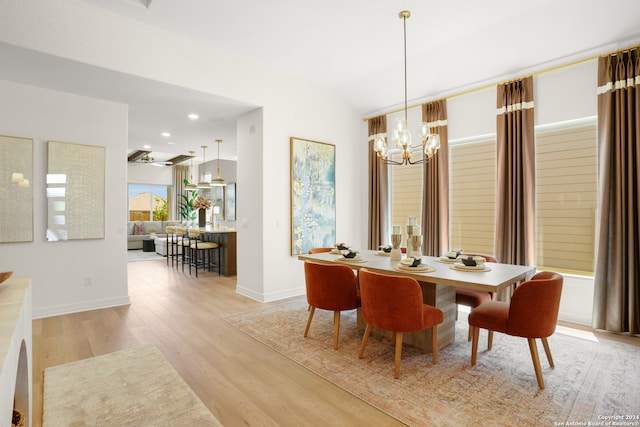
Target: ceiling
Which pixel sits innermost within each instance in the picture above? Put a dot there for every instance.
(353, 48)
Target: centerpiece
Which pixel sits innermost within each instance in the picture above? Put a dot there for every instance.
(201, 205)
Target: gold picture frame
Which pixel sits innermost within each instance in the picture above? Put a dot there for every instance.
(313, 195)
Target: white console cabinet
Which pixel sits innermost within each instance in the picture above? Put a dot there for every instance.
(15, 349)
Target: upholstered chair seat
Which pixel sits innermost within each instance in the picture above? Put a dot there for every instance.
(532, 313)
(472, 297)
(395, 303)
(330, 287)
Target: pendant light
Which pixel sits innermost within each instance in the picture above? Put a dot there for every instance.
(190, 185)
(218, 181)
(202, 183)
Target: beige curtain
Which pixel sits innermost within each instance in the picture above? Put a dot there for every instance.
(515, 208)
(180, 173)
(616, 305)
(435, 187)
(378, 188)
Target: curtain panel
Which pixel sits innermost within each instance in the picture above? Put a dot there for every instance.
(515, 181)
(616, 305)
(379, 211)
(435, 173)
(180, 173)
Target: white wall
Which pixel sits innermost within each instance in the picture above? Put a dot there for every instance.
(73, 30)
(58, 269)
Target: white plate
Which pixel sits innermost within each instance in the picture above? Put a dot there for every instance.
(382, 253)
(354, 259)
(446, 260)
(335, 252)
(461, 267)
(422, 268)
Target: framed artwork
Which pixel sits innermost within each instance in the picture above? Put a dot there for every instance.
(313, 195)
(230, 202)
(75, 191)
(16, 190)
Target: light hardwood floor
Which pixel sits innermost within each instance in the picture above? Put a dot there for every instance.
(242, 381)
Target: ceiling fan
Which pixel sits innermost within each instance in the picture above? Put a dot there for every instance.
(146, 160)
(142, 157)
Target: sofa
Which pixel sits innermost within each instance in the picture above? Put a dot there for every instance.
(137, 231)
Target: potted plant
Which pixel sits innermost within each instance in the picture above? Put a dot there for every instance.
(185, 204)
(201, 205)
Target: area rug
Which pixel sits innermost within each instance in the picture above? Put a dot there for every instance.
(136, 255)
(591, 379)
(136, 387)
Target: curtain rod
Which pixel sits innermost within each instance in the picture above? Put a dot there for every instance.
(466, 92)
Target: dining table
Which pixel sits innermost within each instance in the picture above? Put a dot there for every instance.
(438, 277)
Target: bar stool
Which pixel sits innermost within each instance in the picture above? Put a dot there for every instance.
(172, 239)
(201, 253)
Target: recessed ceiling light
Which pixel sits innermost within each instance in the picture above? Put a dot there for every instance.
(193, 116)
(146, 146)
(166, 134)
(171, 143)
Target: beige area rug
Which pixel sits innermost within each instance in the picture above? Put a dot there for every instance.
(136, 255)
(590, 380)
(136, 387)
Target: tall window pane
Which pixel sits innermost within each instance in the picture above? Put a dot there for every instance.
(566, 198)
(473, 195)
(406, 195)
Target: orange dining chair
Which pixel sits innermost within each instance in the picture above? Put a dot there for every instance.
(330, 287)
(319, 250)
(532, 313)
(395, 303)
(473, 297)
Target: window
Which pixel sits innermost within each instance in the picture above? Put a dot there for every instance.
(472, 195)
(149, 202)
(406, 195)
(566, 197)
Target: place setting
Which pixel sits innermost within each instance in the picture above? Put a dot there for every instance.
(414, 264)
(349, 255)
(338, 248)
(470, 263)
(450, 257)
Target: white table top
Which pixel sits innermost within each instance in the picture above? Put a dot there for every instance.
(499, 277)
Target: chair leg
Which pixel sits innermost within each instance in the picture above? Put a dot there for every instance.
(336, 328)
(312, 310)
(536, 361)
(490, 340)
(396, 371)
(469, 335)
(474, 345)
(434, 343)
(547, 350)
(365, 338)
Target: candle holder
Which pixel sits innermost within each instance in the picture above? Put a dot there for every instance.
(416, 245)
(409, 234)
(396, 239)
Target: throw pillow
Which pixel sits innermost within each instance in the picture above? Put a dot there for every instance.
(138, 229)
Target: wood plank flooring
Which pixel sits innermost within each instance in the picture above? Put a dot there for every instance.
(242, 381)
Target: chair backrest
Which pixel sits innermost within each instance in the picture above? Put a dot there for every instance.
(331, 287)
(489, 258)
(393, 303)
(319, 250)
(533, 312)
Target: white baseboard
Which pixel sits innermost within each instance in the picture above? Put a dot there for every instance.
(39, 313)
(275, 296)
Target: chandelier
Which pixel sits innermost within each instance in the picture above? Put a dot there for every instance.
(401, 137)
